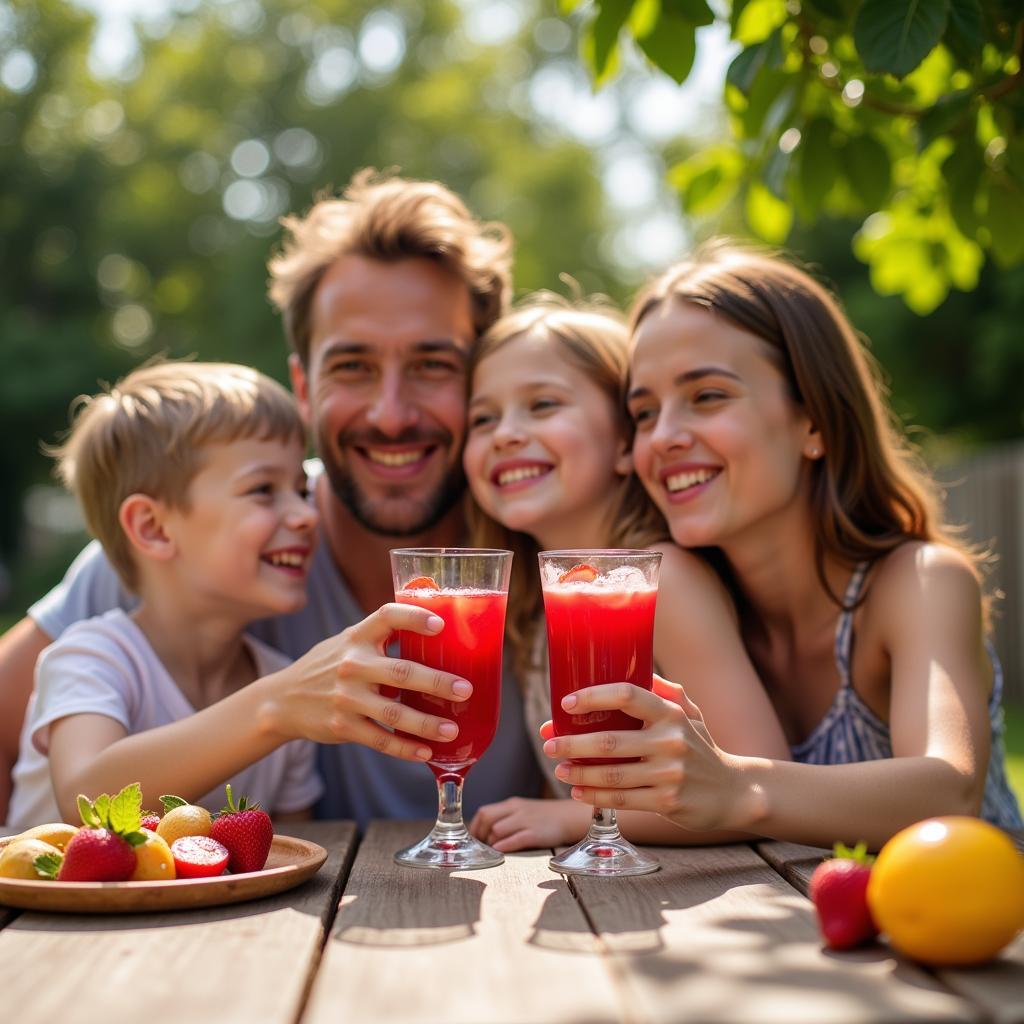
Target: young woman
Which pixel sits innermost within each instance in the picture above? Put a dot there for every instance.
(549, 466)
(763, 438)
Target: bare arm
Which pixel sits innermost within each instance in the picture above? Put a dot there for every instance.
(20, 646)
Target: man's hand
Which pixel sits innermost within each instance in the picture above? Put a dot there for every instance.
(333, 693)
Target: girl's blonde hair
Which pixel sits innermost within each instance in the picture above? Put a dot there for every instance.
(148, 434)
(871, 491)
(594, 338)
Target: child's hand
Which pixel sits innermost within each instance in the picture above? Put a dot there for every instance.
(519, 824)
(683, 775)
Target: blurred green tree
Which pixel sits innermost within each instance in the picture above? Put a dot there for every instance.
(138, 209)
(907, 114)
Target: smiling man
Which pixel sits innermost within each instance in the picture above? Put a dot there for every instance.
(383, 293)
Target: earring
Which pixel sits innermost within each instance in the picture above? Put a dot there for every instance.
(814, 453)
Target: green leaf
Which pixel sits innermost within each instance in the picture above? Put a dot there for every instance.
(943, 117)
(707, 180)
(696, 12)
(568, 6)
(965, 33)
(748, 64)
(169, 802)
(47, 865)
(758, 20)
(859, 853)
(735, 13)
(643, 17)
(601, 39)
(672, 46)
(963, 170)
(836, 9)
(102, 807)
(894, 36)
(126, 810)
(88, 812)
(768, 217)
(818, 164)
(866, 165)
(1005, 221)
(136, 838)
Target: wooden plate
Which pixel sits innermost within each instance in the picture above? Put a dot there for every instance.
(290, 863)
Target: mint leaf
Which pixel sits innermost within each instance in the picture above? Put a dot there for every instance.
(136, 838)
(169, 802)
(126, 810)
(48, 864)
(88, 813)
(101, 805)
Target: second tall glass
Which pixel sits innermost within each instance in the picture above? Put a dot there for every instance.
(599, 607)
(468, 588)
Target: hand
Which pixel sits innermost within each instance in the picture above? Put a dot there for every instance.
(519, 824)
(683, 775)
(332, 694)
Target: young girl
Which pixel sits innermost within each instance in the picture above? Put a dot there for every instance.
(549, 465)
(762, 436)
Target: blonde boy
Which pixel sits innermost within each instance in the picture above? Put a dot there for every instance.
(190, 475)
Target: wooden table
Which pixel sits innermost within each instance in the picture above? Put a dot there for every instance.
(719, 934)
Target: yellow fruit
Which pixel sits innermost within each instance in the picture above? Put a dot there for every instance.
(948, 891)
(154, 861)
(186, 820)
(56, 834)
(17, 859)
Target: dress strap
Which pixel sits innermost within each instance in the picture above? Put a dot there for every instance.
(844, 627)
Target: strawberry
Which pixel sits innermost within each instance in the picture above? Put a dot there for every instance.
(150, 820)
(422, 583)
(839, 893)
(247, 833)
(103, 849)
(198, 857)
(579, 574)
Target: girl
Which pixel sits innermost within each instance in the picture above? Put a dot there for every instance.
(763, 438)
(549, 465)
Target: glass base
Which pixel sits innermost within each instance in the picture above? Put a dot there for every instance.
(604, 858)
(446, 851)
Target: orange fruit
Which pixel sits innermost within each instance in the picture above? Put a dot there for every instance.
(186, 820)
(948, 891)
(57, 834)
(154, 861)
(18, 858)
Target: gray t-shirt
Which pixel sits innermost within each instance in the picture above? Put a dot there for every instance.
(360, 784)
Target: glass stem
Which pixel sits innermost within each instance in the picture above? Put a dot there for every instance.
(449, 807)
(604, 826)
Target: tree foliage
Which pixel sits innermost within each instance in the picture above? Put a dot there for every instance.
(906, 114)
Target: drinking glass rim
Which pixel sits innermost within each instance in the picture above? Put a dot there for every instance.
(460, 552)
(600, 552)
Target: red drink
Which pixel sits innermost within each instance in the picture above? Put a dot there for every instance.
(598, 634)
(469, 646)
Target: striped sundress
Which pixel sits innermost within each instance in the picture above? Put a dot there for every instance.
(852, 732)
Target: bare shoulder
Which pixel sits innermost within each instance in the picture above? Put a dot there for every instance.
(686, 576)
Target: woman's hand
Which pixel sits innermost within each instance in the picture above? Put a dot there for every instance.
(333, 693)
(520, 824)
(682, 774)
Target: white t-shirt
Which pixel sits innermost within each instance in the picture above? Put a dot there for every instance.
(106, 666)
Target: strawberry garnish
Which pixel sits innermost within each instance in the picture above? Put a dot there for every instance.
(422, 583)
(198, 857)
(103, 850)
(246, 831)
(150, 820)
(839, 893)
(579, 574)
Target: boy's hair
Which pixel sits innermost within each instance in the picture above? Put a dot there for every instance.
(592, 336)
(389, 219)
(148, 433)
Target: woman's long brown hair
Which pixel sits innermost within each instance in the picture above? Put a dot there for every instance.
(871, 491)
(595, 339)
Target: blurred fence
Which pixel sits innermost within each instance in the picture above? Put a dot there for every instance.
(986, 494)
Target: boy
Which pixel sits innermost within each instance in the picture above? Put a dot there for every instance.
(190, 476)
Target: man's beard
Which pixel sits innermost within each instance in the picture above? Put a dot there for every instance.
(416, 517)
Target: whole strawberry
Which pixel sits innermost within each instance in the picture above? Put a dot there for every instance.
(103, 849)
(247, 833)
(839, 893)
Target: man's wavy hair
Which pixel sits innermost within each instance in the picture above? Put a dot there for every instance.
(871, 491)
(389, 218)
(593, 337)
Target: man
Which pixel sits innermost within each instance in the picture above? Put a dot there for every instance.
(383, 292)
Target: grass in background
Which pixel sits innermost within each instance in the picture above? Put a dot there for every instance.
(1014, 740)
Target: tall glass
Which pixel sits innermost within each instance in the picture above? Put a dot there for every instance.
(468, 588)
(599, 607)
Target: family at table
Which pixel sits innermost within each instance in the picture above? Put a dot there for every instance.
(823, 671)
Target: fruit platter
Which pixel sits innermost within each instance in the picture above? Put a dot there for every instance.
(123, 859)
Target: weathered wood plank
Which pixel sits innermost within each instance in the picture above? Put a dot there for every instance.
(718, 935)
(243, 963)
(500, 946)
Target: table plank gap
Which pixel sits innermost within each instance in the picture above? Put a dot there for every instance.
(718, 935)
(500, 946)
